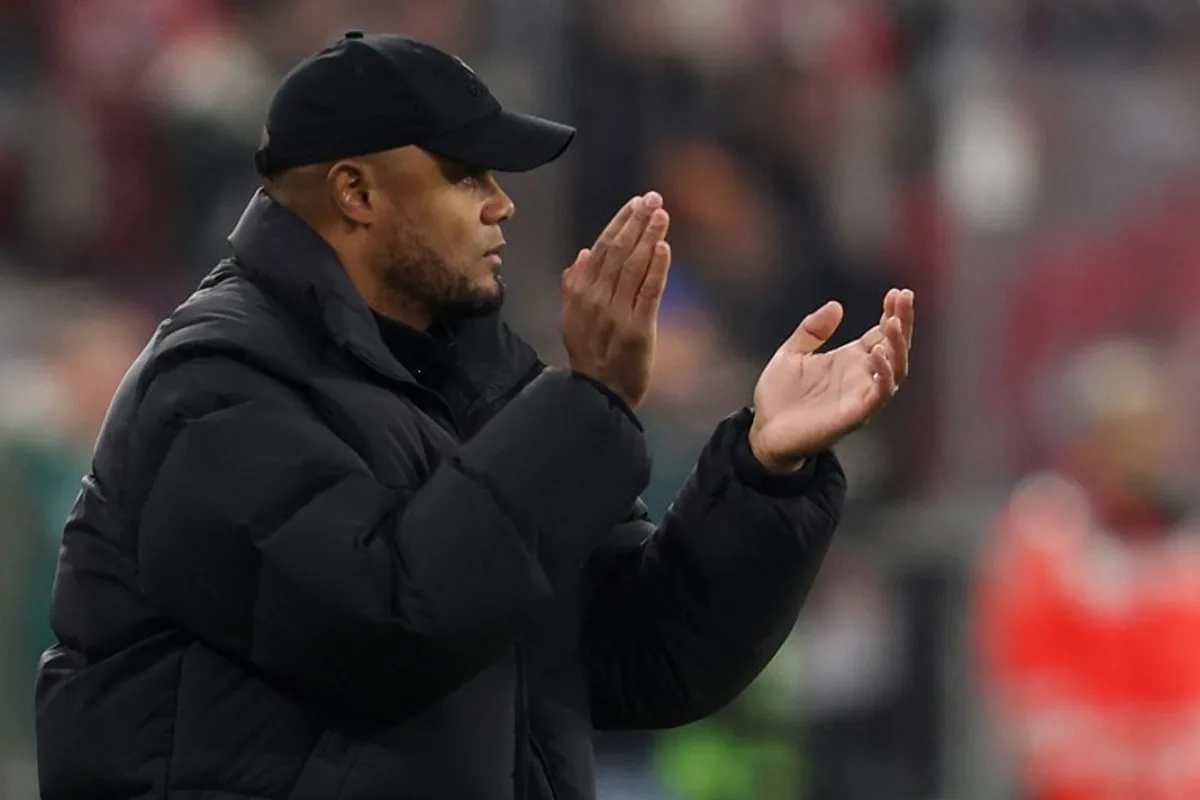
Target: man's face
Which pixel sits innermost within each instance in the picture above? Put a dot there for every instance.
(1135, 446)
(436, 237)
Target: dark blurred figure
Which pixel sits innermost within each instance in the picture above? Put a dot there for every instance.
(744, 151)
(728, 244)
(18, 59)
(696, 373)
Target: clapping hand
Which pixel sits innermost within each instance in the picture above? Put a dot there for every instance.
(806, 401)
(611, 298)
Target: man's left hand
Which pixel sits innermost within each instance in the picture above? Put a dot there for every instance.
(806, 401)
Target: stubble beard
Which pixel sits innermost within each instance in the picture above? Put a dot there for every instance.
(416, 275)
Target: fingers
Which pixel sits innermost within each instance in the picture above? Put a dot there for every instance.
(619, 251)
(899, 303)
(616, 223)
(872, 337)
(816, 329)
(650, 294)
(636, 270)
(887, 346)
(897, 348)
(604, 243)
(883, 377)
(578, 267)
(905, 310)
(889, 304)
(895, 327)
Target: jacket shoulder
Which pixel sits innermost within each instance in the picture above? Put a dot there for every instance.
(229, 315)
(229, 339)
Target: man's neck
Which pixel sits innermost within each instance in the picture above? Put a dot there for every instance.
(405, 314)
(382, 300)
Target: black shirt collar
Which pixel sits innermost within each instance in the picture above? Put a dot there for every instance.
(418, 351)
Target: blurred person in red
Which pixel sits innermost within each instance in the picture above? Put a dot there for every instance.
(1138, 273)
(1090, 599)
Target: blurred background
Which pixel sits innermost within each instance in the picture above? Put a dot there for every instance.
(1011, 608)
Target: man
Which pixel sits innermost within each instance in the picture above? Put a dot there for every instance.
(346, 536)
(1089, 595)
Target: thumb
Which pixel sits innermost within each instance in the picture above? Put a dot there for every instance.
(816, 329)
(578, 266)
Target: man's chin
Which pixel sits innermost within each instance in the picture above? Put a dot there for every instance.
(482, 303)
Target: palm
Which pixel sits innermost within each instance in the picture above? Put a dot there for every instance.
(816, 398)
(806, 401)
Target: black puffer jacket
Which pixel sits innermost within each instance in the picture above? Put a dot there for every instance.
(297, 572)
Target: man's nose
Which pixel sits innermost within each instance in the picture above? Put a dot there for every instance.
(500, 207)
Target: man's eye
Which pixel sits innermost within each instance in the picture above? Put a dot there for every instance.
(475, 177)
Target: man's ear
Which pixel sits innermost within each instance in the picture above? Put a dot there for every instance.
(350, 183)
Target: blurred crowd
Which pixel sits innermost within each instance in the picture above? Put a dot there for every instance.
(1030, 167)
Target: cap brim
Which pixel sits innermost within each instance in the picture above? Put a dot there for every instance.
(504, 142)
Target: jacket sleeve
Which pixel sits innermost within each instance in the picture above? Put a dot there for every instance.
(269, 539)
(684, 617)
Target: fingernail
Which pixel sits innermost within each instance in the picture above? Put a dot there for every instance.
(658, 218)
(653, 200)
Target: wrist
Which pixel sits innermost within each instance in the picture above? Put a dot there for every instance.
(605, 386)
(753, 474)
(770, 461)
(615, 398)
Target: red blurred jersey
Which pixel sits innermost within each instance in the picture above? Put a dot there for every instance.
(1090, 650)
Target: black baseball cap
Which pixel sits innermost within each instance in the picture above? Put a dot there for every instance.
(373, 92)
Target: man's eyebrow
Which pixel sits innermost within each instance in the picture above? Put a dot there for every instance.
(456, 170)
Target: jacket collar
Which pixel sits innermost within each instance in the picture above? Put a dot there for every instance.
(284, 256)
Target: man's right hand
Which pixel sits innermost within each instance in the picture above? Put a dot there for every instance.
(611, 298)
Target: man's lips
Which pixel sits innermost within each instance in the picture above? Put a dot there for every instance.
(494, 255)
